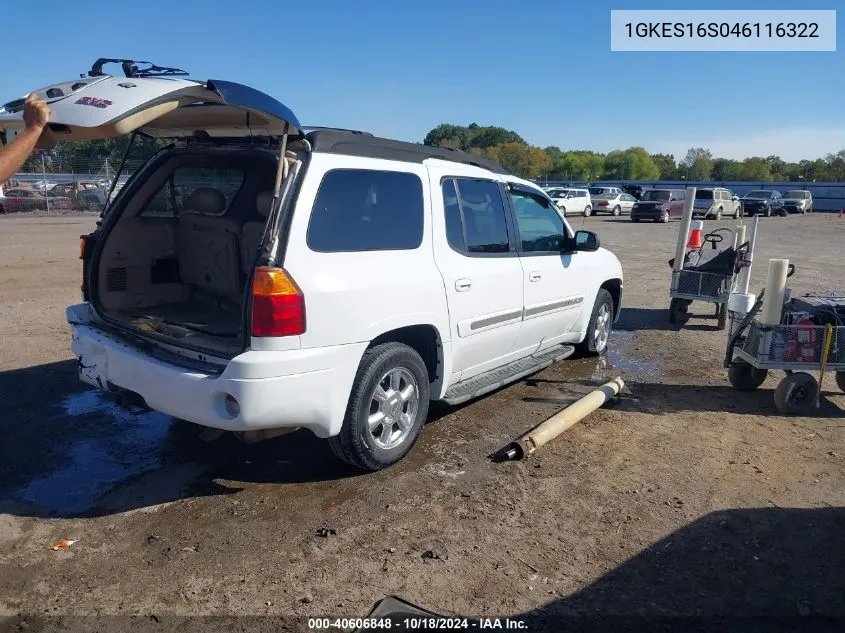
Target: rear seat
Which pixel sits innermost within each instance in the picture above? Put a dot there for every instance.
(208, 244)
(252, 231)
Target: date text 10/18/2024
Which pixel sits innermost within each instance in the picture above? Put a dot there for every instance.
(415, 623)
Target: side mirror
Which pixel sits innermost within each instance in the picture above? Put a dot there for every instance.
(586, 241)
(735, 198)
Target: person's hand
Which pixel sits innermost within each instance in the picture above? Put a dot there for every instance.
(35, 112)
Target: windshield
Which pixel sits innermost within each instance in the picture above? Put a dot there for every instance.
(758, 194)
(594, 191)
(704, 194)
(656, 195)
(797, 195)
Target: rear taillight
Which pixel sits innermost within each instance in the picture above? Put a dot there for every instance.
(278, 305)
(602, 203)
(83, 243)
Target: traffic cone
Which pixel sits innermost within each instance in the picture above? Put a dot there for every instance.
(695, 241)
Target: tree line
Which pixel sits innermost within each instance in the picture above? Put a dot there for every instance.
(634, 163)
(519, 157)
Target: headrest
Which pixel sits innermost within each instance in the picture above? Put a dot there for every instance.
(206, 200)
(262, 202)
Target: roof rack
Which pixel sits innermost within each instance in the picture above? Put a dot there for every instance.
(334, 141)
(130, 69)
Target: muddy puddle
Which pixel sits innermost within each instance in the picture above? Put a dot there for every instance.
(125, 445)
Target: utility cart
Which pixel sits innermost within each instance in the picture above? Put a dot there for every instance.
(810, 338)
(710, 280)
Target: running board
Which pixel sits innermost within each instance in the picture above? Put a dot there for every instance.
(492, 380)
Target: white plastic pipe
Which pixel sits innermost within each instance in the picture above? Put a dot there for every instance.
(739, 235)
(562, 420)
(745, 274)
(683, 235)
(775, 287)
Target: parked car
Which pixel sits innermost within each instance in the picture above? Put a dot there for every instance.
(763, 201)
(575, 201)
(262, 316)
(20, 199)
(798, 201)
(85, 194)
(716, 202)
(613, 203)
(633, 190)
(598, 190)
(659, 205)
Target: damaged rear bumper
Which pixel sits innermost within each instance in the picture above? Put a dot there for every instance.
(286, 389)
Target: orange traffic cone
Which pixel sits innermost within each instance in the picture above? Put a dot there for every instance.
(695, 241)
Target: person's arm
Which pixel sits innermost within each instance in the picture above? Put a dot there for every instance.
(14, 155)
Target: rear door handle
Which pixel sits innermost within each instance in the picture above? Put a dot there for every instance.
(462, 285)
(534, 276)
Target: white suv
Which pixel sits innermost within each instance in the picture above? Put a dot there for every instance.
(339, 289)
(572, 201)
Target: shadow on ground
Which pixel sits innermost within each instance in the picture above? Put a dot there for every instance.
(739, 570)
(702, 318)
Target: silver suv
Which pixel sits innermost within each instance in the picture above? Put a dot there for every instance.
(798, 201)
(716, 202)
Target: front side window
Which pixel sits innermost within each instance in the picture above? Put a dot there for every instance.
(367, 210)
(540, 227)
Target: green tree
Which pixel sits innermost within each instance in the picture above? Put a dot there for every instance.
(698, 163)
(727, 169)
(835, 166)
(666, 165)
(633, 163)
(776, 167)
(474, 135)
(756, 168)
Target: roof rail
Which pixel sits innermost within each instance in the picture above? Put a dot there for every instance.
(314, 128)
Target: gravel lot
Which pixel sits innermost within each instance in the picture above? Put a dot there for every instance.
(686, 498)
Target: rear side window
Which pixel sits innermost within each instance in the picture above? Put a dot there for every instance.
(366, 210)
(200, 190)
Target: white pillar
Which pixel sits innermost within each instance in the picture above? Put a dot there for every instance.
(683, 234)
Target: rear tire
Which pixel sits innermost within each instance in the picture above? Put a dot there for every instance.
(365, 439)
(737, 212)
(587, 211)
(679, 311)
(665, 217)
(718, 215)
(745, 377)
(563, 211)
(722, 314)
(617, 210)
(796, 394)
(599, 327)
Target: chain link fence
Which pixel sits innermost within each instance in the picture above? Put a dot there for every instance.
(61, 182)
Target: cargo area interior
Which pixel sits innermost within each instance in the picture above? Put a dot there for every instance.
(177, 260)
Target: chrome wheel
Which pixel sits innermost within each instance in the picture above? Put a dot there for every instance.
(394, 406)
(602, 329)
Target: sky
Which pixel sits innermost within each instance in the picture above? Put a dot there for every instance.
(398, 69)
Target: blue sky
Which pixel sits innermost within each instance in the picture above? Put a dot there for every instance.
(397, 69)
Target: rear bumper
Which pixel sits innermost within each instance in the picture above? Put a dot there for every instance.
(306, 388)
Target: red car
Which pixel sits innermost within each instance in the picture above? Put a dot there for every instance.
(18, 199)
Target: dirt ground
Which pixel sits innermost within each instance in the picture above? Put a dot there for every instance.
(685, 498)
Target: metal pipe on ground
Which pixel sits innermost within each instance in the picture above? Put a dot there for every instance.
(561, 421)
